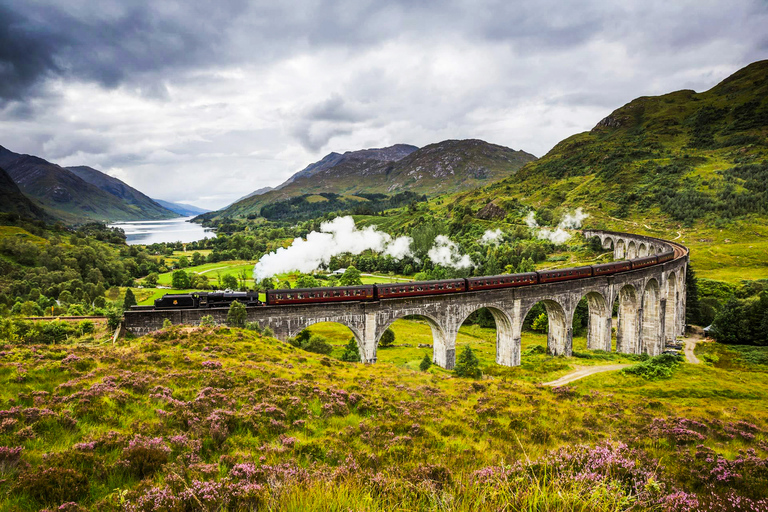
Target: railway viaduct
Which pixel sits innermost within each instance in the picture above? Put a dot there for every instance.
(651, 309)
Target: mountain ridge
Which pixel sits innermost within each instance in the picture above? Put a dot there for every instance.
(438, 168)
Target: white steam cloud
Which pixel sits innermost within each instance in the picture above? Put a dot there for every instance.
(492, 236)
(336, 237)
(446, 253)
(559, 235)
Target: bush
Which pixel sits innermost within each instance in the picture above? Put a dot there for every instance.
(144, 455)
(317, 344)
(468, 364)
(207, 321)
(236, 315)
(85, 327)
(659, 367)
(52, 486)
(268, 332)
(130, 299)
(253, 326)
(167, 324)
(387, 339)
(425, 363)
(351, 352)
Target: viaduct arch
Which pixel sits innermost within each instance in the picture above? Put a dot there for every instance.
(651, 309)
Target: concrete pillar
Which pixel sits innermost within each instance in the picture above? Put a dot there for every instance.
(631, 250)
(599, 323)
(368, 344)
(508, 334)
(671, 320)
(444, 347)
(560, 332)
(650, 339)
(619, 250)
(627, 330)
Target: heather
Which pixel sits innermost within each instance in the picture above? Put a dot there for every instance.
(221, 419)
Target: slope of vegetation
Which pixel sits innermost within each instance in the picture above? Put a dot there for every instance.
(214, 418)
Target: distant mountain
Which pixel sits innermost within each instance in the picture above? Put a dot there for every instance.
(440, 168)
(151, 208)
(262, 190)
(13, 201)
(185, 210)
(68, 197)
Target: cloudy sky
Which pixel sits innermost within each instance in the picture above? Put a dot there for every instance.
(203, 102)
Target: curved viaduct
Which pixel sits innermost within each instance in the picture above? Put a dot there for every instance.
(651, 309)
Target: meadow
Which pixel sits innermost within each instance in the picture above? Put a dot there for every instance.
(221, 419)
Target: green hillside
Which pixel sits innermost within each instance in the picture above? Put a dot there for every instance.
(685, 165)
(442, 168)
(74, 200)
(16, 203)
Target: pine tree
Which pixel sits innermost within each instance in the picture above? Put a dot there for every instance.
(387, 339)
(467, 365)
(130, 299)
(236, 315)
(425, 363)
(351, 352)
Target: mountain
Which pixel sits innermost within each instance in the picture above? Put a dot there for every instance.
(185, 210)
(13, 201)
(68, 197)
(683, 157)
(258, 192)
(150, 207)
(445, 167)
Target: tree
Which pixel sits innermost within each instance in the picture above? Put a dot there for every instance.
(130, 299)
(468, 364)
(229, 282)
(351, 277)
(318, 345)
(541, 323)
(307, 281)
(692, 304)
(425, 363)
(180, 279)
(284, 285)
(183, 262)
(387, 339)
(351, 351)
(151, 279)
(197, 259)
(267, 284)
(236, 315)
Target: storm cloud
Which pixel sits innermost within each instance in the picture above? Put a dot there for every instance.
(202, 103)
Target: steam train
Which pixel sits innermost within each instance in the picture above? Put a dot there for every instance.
(399, 290)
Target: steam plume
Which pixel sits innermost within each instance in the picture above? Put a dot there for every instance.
(335, 237)
(559, 235)
(491, 236)
(446, 253)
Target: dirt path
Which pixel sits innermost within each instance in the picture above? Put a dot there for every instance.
(584, 372)
(690, 345)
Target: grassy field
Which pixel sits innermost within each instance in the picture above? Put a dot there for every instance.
(227, 419)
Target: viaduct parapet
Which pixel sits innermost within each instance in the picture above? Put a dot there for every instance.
(651, 309)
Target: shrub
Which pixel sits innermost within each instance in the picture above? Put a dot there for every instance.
(253, 326)
(52, 486)
(268, 332)
(425, 363)
(659, 367)
(236, 315)
(207, 321)
(468, 364)
(387, 339)
(317, 344)
(130, 299)
(85, 327)
(351, 351)
(167, 324)
(144, 456)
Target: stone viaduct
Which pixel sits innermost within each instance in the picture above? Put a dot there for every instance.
(651, 309)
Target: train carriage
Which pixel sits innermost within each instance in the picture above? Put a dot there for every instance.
(666, 256)
(564, 274)
(503, 281)
(417, 288)
(602, 269)
(329, 294)
(646, 261)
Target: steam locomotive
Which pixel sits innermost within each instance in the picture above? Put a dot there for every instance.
(399, 290)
